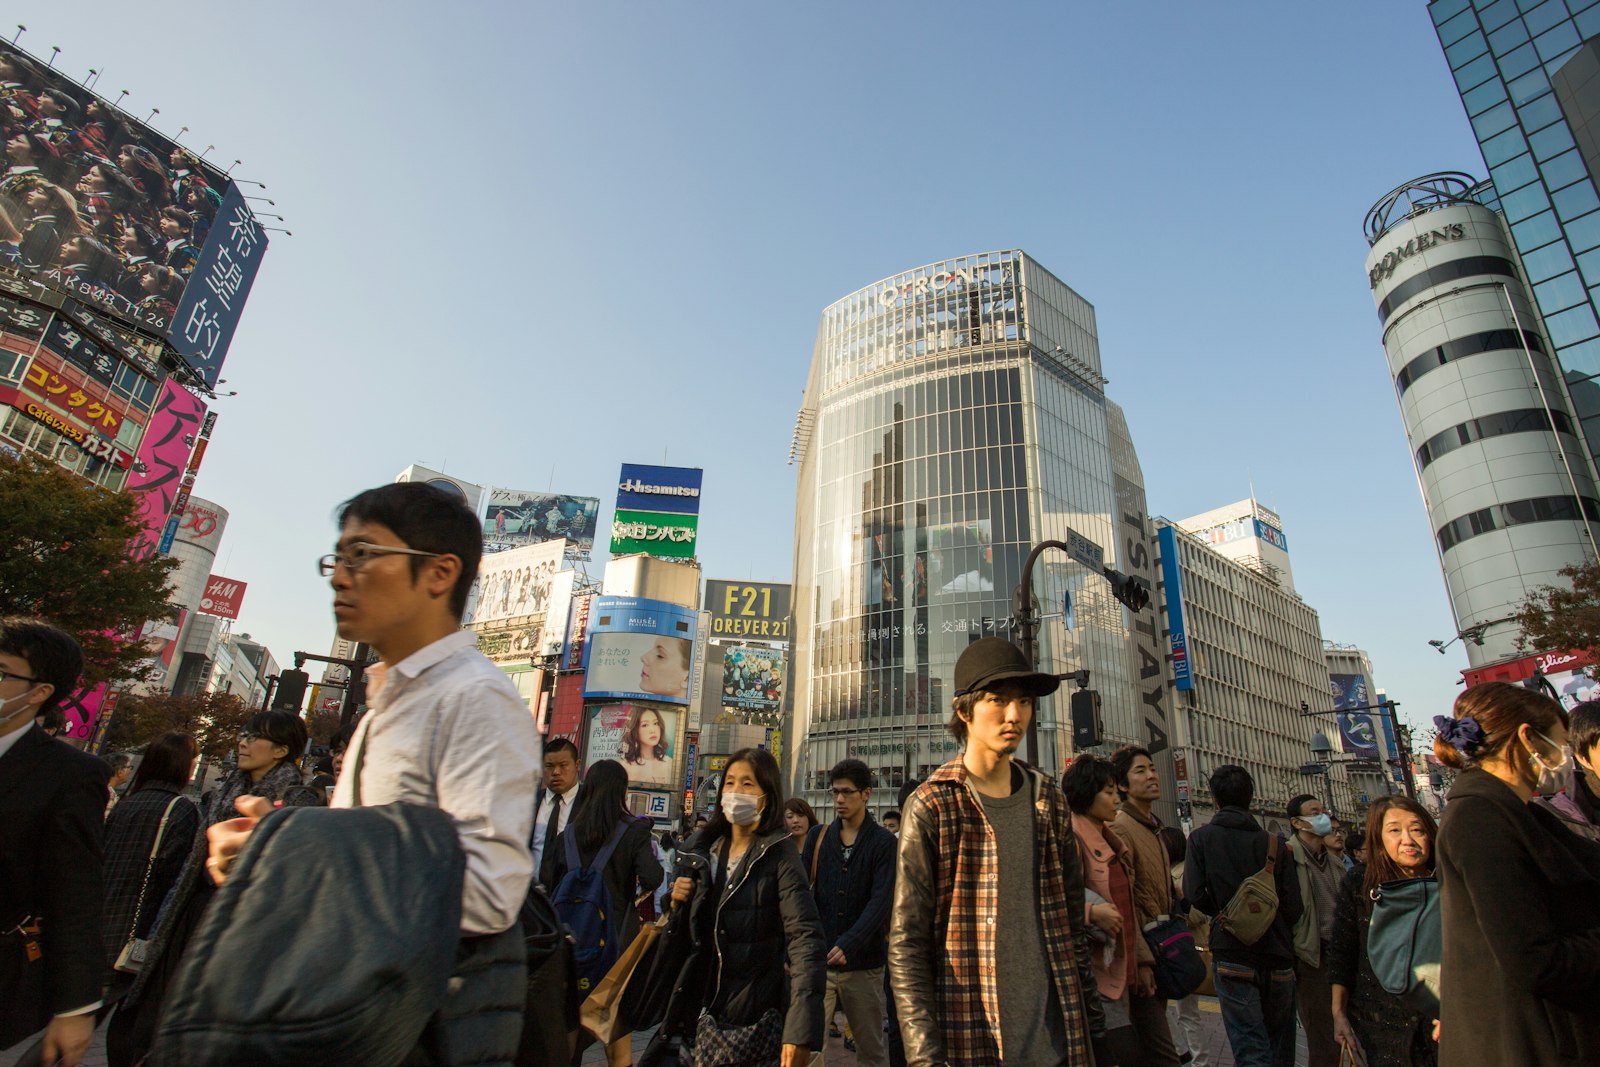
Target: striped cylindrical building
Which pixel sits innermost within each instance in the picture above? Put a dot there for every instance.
(1506, 480)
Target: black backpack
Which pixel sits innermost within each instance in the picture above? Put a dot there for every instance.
(271, 979)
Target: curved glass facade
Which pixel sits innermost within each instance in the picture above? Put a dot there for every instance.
(955, 417)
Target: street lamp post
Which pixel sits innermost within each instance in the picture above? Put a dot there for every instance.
(1402, 736)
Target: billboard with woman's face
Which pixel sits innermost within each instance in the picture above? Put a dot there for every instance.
(638, 650)
(641, 737)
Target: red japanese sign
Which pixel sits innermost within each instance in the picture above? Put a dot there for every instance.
(96, 446)
(223, 597)
(72, 398)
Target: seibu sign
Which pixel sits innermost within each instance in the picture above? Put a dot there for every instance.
(1421, 242)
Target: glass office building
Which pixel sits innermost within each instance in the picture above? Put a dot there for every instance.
(955, 415)
(1524, 70)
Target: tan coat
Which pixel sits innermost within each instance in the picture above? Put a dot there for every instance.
(1152, 884)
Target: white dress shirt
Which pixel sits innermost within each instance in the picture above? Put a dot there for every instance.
(568, 799)
(448, 730)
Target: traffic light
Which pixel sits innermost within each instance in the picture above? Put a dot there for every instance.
(1087, 728)
(1131, 592)
(291, 692)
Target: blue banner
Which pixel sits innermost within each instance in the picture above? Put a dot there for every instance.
(647, 488)
(1357, 735)
(208, 312)
(1182, 669)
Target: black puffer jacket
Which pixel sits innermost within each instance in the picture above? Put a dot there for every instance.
(765, 918)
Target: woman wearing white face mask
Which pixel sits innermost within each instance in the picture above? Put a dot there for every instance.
(750, 912)
(1519, 895)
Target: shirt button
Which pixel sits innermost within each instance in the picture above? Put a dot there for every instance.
(990, 920)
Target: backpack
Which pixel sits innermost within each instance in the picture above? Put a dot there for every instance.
(354, 979)
(583, 902)
(1254, 904)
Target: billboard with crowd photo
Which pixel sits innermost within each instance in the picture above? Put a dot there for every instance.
(97, 205)
(752, 678)
(518, 517)
(515, 584)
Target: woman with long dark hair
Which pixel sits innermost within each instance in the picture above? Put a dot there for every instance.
(750, 906)
(632, 869)
(1379, 1028)
(139, 873)
(1519, 894)
(270, 747)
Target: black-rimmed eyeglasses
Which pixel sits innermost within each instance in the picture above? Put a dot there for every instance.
(360, 554)
(7, 676)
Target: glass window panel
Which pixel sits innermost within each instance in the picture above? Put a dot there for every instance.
(1494, 15)
(1503, 147)
(1575, 200)
(1571, 326)
(1588, 23)
(1491, 122)
(1484, 96)
(1581, 358)
(1544, 16)
(1548, 261)
(1476, 72)
(1550, 141)
(1537, 231)
(1560, 293)
(1584, 234)
(1506, 37)
(1519, 62)
(1538, 114)
(1529, 86)
(1553, 43)
(1527, 201)
(1563, 170)
(1589, 264)
(1471, 46)
(1516, 172)
(1446, 9)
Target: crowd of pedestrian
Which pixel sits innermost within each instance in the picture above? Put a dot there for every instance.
(1000, 917)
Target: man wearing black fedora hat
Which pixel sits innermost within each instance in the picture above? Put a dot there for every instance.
(987, 851)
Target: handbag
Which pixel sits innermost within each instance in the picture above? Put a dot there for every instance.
(757, 1045)
(1179, 966)
(132, 957)
(1208, 985)
(601, 1012)
(1405, 942)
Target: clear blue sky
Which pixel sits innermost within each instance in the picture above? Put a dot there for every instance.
(533, 241)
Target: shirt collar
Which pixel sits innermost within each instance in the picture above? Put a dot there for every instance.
(13, 737)
(414, 665)
(569, 793)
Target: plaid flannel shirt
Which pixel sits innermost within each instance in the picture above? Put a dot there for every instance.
(965, 920)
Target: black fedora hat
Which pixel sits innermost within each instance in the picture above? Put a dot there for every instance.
(991, 660)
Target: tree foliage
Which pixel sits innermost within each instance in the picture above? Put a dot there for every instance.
(212, 719)
(1559, 618)
(321, 725)
(65, 559)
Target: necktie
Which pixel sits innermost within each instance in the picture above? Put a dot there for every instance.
(550, 828)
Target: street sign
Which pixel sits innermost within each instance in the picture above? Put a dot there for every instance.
(1085, 551)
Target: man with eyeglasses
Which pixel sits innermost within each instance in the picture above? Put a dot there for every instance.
(52, 803)
(852, 863)
(445, 728)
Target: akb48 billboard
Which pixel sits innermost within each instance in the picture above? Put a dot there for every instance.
(99, 209)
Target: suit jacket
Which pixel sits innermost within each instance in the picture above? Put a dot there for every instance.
(52, 808)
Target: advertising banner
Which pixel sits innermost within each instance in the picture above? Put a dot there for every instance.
(641, 737)
(223, 597)
(752, 610)
(566, 709)
(657, 533)
(519, 517)
(557, 610)
(157, 470)
(165, 240)
(639, 650)
(752, 678)
(647, 488)
(960, 560)
(577, 631)
(515, 584)
(1182, 669)
(1357, 735)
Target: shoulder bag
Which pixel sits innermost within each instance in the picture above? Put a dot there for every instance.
(131, 959)
(1405, 941)
(1254, 904)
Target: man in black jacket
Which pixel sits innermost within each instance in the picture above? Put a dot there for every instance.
(1255, 983)
(852, 864)
(52, 807)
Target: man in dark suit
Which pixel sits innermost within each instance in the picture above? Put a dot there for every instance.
(52, 803)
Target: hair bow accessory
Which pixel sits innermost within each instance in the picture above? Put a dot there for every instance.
(1464, 734)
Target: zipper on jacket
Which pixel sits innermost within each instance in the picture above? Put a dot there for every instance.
(716, 919)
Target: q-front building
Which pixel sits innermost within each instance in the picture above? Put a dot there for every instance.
(955, 415)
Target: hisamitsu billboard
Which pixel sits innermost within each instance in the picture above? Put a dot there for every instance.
(647, 488)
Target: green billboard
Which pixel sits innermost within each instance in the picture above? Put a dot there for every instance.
(657, 533)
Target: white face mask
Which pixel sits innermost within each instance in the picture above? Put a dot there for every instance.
(742, 809)
(5, 716)
(1553, 777)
